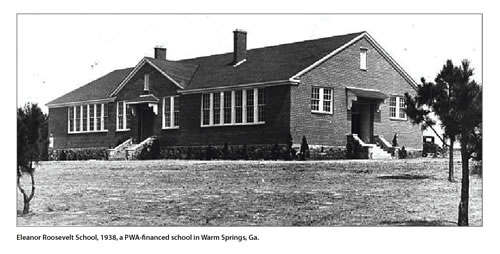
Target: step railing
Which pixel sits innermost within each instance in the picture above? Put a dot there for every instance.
(119, 149)
(132, 153)
(357, 148)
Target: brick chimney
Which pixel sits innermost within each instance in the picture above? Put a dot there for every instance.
(160, 53)
(240, 46)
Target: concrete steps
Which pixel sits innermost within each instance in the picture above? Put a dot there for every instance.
(377, 153)
(120, 151)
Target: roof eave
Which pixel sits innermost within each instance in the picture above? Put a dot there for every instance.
(136, 69)
(74, 103)
(246, 85)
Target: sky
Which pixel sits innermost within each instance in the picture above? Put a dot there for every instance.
(58, 53)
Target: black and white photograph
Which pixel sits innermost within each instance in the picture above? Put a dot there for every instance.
(246, 122)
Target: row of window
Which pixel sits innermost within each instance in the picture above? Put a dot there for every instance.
(239, 107)
(88, 118)
(322, 102)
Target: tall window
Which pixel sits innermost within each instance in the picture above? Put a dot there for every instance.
(261, 107)
(91, 117)
(104, 116)
(227, 107)
(78, 118)
(238, 107)
(85, 113)
(362, 58)
(87, 118)
(171, 112)
(122, 116)
(216, 108)
(397, 108)
(206, 108)
(98, 117)
(71, 119)
(322, 100)
(146, 82)
(250, 106)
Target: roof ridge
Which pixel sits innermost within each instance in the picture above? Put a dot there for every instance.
(270, 46)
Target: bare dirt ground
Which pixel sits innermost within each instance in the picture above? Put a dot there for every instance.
(249, 193)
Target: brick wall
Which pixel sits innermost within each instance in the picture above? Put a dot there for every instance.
(58, 127)
(190, 133)
(338, 72)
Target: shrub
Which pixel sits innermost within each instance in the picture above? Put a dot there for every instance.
(304, 149)
(225, 151)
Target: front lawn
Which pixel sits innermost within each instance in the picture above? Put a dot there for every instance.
(247, 193)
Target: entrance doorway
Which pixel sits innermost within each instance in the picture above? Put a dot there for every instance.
(362, 120)
(145, 123)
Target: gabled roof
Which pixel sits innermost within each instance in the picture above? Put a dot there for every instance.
(267, 64)
(179, 73)
(99, 89)
(275, 64)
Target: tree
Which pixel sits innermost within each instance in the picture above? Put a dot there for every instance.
(31, 146)
(456, 101)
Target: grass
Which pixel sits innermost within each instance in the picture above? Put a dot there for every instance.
(249, 193)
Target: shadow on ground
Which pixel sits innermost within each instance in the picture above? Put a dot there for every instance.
(437, 223)
(404, 177)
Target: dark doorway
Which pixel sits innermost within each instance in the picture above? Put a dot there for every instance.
(362, 121)
(146, 121)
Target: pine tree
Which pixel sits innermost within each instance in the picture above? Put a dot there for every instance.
(456, 101)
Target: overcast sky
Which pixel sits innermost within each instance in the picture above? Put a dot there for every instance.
(58, 53)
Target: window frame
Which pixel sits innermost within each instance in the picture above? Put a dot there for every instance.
(85, 113)
(229, 107)
(322, 100)
(171, 114)
(146, 82)
(363, 58)
(124, 115)
(398, 108)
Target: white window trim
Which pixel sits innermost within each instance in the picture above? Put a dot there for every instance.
(233, 109)
(170, 114)
(146, 82)
(125, 127)
(321, 101)
(363, 55)
(398, 97)
(80, 123)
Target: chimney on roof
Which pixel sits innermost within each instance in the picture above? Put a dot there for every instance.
(160, 53)
(240, 46)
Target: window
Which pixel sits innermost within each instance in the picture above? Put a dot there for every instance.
(250, 106)
(91, 117)
(261, 106)
(397, 107)
(85, 113)
(71, 119)
(362, 58)
(216, 108)
(322, 100)
(227, 107)
(98, 114)
(122, 116)
(206, 109)
(87, 118)
(171, 112)
(104, 116)
(146, 82)
(238, 107)
(78, 118)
